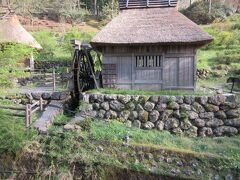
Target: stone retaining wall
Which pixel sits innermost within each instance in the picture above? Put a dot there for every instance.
(51, 64)
(182, 115)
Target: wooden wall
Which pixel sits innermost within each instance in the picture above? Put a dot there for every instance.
(177, 70)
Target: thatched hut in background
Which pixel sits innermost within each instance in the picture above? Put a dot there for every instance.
(11, 31)
(150, 45)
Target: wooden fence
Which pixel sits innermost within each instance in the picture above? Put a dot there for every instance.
(28, 111)
(50, 78)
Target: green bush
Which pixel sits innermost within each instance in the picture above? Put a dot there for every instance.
(57, 46)
(12, 54)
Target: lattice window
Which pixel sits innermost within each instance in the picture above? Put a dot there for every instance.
(143, 61)
(109, 73)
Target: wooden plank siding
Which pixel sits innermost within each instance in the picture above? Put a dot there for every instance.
(177, 70)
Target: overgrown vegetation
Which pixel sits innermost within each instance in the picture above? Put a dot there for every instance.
(13, 134)
(222, 55)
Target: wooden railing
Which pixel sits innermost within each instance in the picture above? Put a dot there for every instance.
(128, 4)
(28, 111)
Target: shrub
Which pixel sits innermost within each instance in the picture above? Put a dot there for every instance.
(12, 54)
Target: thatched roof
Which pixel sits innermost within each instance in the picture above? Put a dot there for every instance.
(12, 31)
(151, 26)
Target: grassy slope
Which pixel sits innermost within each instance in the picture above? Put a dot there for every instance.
(209, 152)
(224, 50)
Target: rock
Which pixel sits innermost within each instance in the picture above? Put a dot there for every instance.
(124, 114)
(161, 107)
(214, 123)
(217, 100)
(148, 125)
(136, 124)
(211, 108)
(180, 163)
(198, 108)
(110, 97)
(206, 115)
(191, 132)
(133, 115)
(99, 149)
(28, 96)
(71, 127)
(193, 115)
(227, 106)
(64, 95)
(232, 122)
(101, 113)
(98, 98)
(110, 115)
(130, 106)
(135, 98)
(171, 123)
(105, 106)
(96, 106)
(165, 115)
(143, 116)
(148, 156)
(116, 105)
(176, 114)
(46, 96)
(143, 99)
(220, 115)
(202, 100)
(163, 99)
(189, 99)
(205, 131)
(36, 96)
(225, 130)
(185, 125)
(160, 125)
(56, 95)
(233, 114)
(154, 99)
(139, 107)
(128, 123)
(173, 106)
(177, 131)
(124, 98)
(229, 177)
(185, 107)
(199, 122)
(148, 106)
(153, 116)
(179, 99)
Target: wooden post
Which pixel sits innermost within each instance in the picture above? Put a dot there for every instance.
(28, 119)
(68, 79)
(41, 104)
(54, 80)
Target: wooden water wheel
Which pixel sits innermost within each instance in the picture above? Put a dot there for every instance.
(84, 75)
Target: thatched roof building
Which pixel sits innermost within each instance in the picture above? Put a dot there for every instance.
(150, 45)
(12, 31)
(151, 26)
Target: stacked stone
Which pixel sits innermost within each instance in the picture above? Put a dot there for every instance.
(51, 64)
(182, 115)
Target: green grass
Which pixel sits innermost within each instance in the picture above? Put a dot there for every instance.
(220, 146)
(147, 93)
(13, 134)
